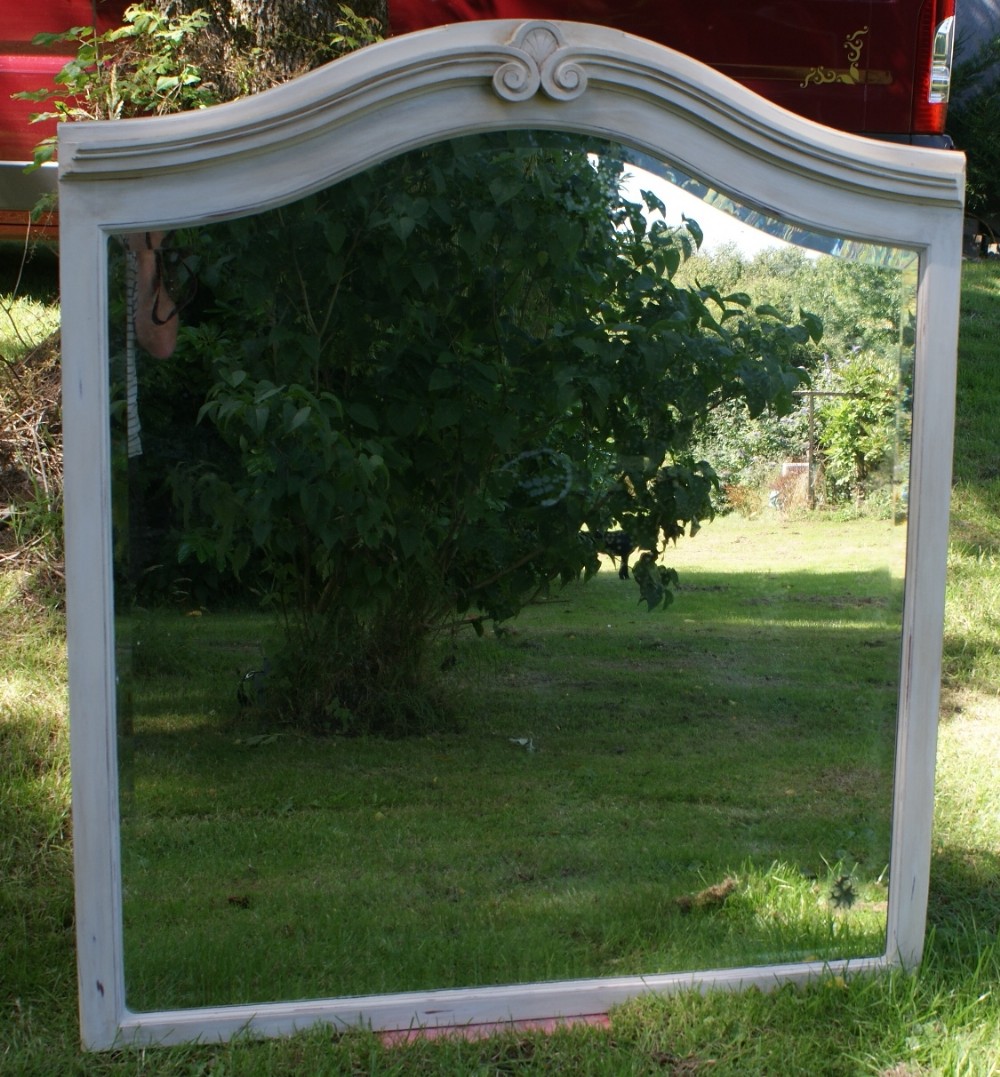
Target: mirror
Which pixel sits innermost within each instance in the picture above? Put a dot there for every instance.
(601, 796)
(590, 788)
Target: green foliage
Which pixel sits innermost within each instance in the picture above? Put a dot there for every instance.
(431, 377)
(350, 33)
(858, 429)
(249, 48)
(138, 69)
(974, 123)
(866, 332)
(156, 63)
(31, 531)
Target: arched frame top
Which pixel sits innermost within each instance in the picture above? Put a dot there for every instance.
(375, 104)
(442, 83)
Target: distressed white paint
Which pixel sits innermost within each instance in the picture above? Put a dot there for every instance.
(411, 91)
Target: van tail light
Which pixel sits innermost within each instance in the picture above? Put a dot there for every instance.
(941, 58)
(932, 70)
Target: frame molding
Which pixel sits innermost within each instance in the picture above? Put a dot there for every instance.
(407, 92)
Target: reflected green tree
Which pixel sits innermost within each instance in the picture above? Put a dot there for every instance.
(427, 380)
(859, 369)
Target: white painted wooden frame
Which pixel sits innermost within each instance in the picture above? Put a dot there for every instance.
(375, 104)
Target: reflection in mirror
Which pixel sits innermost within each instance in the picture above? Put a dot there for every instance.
(383, 724)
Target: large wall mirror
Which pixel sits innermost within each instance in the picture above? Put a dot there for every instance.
(509, 817)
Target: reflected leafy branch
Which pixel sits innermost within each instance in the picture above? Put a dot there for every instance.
(503, 359)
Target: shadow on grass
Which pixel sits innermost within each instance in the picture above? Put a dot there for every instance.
(975, 516)
(737, 616)
(36, 886)
(965, 885)
(969, 661)
(35, 275)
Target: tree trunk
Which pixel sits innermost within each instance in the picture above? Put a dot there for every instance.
(252, 45)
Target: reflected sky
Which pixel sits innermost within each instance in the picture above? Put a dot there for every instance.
(725, 222)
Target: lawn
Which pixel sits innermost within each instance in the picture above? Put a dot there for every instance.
(606, 767)
(598, 749)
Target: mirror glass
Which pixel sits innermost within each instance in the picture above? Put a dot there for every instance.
(487, 374)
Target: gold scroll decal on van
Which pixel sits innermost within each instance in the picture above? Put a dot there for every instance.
(817, 76)
(823, 76)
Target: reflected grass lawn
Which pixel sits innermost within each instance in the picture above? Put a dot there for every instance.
(624, 793)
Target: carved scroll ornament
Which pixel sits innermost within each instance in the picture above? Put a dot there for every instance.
(542, 59)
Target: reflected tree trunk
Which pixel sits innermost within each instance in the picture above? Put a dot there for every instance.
(252, 45)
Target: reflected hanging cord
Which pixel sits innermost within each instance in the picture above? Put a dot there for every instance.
(132, 424)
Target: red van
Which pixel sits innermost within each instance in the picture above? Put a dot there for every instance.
(25, 66)
(873, 67)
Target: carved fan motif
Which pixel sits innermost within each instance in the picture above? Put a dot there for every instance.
(541, 59)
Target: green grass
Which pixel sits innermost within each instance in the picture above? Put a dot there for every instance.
(943, 1020)
(746, 734)
(28, 313)
(36, 888)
